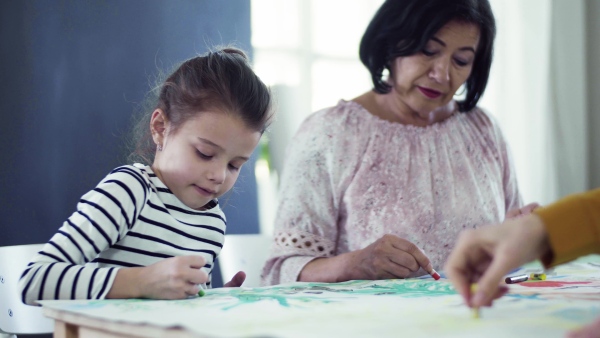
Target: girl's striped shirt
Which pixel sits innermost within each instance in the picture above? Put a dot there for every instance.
(130, 219)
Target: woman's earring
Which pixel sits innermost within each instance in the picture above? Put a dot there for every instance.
(462, 89)
(159, 147)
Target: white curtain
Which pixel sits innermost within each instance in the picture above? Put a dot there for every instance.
(570, 96)
(537, 92)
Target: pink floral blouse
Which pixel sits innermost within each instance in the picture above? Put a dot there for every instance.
(351, 177)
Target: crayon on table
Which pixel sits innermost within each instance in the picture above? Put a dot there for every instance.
(201, 293)
(537, 276)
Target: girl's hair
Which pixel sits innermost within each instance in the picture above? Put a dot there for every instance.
(403, 28)
(220, 80)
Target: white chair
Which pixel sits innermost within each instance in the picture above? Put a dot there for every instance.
(246, 253)
(17, 318)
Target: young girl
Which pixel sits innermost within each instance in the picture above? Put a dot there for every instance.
(155, 231)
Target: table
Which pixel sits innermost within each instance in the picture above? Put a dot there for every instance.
(419, 307)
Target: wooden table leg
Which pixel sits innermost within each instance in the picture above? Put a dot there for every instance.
(65, 330)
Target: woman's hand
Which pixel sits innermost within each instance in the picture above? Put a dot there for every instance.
(172, 278)
(236, 281)
(389, 257)
(386, 258)
(524, 211)
(485, 255)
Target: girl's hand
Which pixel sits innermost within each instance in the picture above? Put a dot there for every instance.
(236, 281)
(172, 278)
(388, 257)
(518, 212)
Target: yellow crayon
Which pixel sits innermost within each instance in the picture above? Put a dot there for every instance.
(537, 276)
(475, 309)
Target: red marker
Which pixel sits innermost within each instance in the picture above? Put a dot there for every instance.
(434, 274)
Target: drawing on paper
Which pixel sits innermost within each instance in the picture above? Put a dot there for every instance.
(568, 298)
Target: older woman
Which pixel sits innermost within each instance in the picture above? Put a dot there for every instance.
(380, 186)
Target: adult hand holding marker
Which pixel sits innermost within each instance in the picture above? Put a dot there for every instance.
(556, 234)
(484, 256)
(394, 257)
(389, 257)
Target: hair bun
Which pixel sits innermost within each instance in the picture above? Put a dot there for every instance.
(233, 50)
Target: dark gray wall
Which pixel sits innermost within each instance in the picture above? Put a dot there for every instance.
(72, 73)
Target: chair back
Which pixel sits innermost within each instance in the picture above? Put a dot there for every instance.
(246, 253)
(16, 317)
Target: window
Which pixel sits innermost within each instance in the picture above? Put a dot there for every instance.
(307, 52)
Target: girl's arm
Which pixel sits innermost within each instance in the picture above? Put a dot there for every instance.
(103, 217)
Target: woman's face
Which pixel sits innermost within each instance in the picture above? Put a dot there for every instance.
(429, 79)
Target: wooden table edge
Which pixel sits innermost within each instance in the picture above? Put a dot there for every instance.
(72, 325)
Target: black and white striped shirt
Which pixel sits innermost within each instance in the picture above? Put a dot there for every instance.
(130, 219)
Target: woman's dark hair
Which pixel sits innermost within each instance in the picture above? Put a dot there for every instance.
(403, 28)
(220, 80)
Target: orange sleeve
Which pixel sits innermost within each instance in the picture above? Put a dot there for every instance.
(573, 226)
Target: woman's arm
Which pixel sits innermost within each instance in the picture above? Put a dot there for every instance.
(329, 270)
(512, 196)
(307, 213)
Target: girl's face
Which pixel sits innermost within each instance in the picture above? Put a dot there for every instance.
(428, 80)
(202, 159)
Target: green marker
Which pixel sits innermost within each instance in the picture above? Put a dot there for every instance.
(201, 293)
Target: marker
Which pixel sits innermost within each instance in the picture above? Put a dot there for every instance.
(516, 279)
(201, 293)
(475, 309)
(537, 276)
(434, 274)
